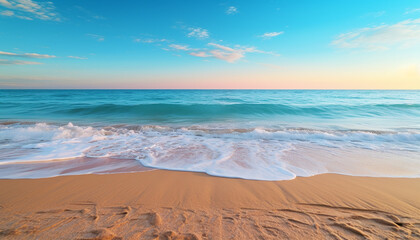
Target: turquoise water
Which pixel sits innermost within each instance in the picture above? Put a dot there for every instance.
(381, 110)
(234, 133)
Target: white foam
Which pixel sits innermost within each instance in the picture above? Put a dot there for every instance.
(263, 154)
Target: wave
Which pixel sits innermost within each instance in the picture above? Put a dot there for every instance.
(251, 153)
(224, 110)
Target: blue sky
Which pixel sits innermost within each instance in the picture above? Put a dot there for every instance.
(210, 44)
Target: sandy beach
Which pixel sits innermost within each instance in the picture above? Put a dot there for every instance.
(186, 205)
(209, 120)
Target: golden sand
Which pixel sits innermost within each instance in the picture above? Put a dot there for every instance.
(185, 205)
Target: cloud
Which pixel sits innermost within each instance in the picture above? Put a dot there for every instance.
(26, 55)
(7, 13)
(228, 56)
(199, 33)
(199, 54)
(180, 47)
(271, 34)
(225, 53)
(402, 34)
(76, 57)
(28, 9)
(149, 40)
(17, 62)
(232, 10)
(98, 38)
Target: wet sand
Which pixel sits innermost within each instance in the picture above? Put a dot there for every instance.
(185, 205)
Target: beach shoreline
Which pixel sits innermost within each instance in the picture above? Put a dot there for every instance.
(163, 204)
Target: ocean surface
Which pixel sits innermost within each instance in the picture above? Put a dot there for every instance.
(251, 134)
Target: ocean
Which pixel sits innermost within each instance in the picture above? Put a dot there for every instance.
(250, 134)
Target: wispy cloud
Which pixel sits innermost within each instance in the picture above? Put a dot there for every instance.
(7, 13)
(98, 38)
(26, 55)
(269, 35)
(200, 54)
(226, 53)
(149, 40)
(402, 34)
(231, 10)
(29, 9)
(199, 33)
(180, 47)
(76, 57)
(17, 62)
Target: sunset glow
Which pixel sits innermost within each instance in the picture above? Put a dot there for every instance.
(208, 44)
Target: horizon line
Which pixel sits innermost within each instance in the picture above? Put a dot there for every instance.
(222, 89)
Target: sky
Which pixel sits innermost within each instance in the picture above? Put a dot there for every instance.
(210, 44)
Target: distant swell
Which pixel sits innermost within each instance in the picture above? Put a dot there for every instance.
(229, 110)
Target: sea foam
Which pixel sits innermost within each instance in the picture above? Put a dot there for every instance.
(250, 153)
